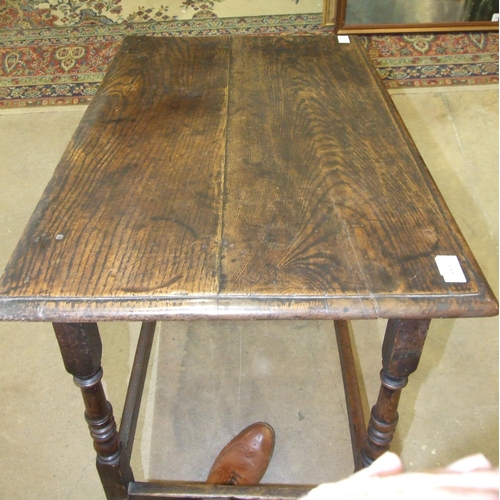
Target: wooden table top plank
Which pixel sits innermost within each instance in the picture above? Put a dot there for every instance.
(280, 234)
(136, 198)
(341, 208)
(240, 177)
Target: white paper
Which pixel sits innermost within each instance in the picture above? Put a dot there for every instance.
(450, 269)
(343, 39)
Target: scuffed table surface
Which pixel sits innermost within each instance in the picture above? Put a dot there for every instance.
(240, 177)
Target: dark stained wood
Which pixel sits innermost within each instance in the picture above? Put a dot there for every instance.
(357, 423)
(143, 491)
(401, 351)
(81, 349)
(132, 406)
(236, 177)
(136, 198)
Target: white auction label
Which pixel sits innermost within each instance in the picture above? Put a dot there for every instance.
(344, 39)
(450, 269)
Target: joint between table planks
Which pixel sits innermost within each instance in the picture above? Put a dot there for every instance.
(220, 277)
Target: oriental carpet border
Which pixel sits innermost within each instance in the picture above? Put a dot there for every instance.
(63, 65)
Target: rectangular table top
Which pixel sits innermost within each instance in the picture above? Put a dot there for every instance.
(241, 177)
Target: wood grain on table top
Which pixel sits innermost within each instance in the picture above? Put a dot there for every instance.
(235, 177)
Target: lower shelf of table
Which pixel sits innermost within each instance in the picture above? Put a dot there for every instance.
(181, 490)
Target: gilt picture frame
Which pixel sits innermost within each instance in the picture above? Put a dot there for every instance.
(364, 16)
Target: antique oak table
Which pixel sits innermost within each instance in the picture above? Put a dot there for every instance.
(240, 178)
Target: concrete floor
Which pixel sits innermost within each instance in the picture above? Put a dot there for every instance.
(209, 380)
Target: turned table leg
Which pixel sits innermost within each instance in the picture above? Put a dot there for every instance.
(403, 343)
(81, 350)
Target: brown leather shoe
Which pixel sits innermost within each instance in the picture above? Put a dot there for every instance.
(244, 460)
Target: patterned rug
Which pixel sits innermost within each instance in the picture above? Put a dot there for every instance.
(58, 55)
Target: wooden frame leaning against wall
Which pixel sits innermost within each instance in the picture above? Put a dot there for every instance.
(341, 14)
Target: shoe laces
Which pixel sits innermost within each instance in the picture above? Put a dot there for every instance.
(234, 478)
